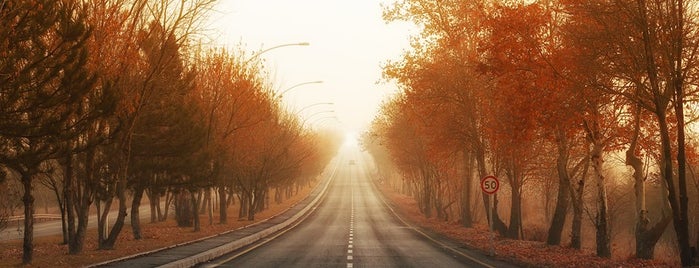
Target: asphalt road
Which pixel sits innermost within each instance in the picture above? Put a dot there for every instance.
(352, 227)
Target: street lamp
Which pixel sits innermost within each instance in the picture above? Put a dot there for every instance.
(324, 119)
(297, 85)
(313, 105)
(317, 113)
(274, 47)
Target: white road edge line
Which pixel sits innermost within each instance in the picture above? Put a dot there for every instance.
(222, 250)
(374, 186)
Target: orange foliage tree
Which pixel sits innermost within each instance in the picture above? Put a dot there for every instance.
(509, 82)
(111, 96)
(648, 47)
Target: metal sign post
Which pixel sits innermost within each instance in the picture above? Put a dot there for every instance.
(490, 186)
(490, 218)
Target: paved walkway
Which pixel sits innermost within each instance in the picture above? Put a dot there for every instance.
(210, 248)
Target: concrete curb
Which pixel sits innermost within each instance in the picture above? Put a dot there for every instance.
(146, 253)
(237, 244)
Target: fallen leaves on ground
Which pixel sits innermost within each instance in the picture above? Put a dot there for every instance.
(48, 251)
(519, 252)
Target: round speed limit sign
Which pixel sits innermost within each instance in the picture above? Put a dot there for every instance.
(490, 184)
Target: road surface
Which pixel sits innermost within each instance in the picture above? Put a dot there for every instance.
(352, 227)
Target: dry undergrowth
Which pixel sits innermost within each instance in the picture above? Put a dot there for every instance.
(524, 253)
(48, 251)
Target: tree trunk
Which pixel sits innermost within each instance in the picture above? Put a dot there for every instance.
(169, 197)
(681, 227)
(244, 204)
(466, 181)
(135, 215)
(64, 218)
(425, 193)
(646, 237)
(153, 200)
(110, 241)
(560, 213)
(77, 245)
(28, 200)
(677, 78)
(183, 208)
(210, 205)
(515, 227)
(679, 214)
(498, 224)
(438, 203)
(223, 205)
(515, 182)
(102, 220)
(278, 197)
(253, 199)
(675, 83)
(257, 203)
(602, 233)
(602, 220)
(80, 209)
(196, 199)
(156, 205)
(230, 201)
(563, 199)
(576, 191)
(69, 195)
(83, 196)
(202, 203)
(576, 227)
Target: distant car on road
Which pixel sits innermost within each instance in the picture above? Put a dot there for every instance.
(352, 162)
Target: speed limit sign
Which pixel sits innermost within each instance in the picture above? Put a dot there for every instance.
(490, 184)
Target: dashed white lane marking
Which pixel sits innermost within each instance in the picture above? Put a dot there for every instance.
(350, 257)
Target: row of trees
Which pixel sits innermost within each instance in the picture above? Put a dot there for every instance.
(540, 94)
(108, 99)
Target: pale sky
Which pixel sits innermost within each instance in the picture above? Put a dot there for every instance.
(348, 39)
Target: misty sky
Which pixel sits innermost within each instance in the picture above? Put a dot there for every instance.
(349, 41)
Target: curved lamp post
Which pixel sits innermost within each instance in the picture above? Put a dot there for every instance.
(297, 85)
(324, 119)
(274, 47)
(313, 105)
(316, 113)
